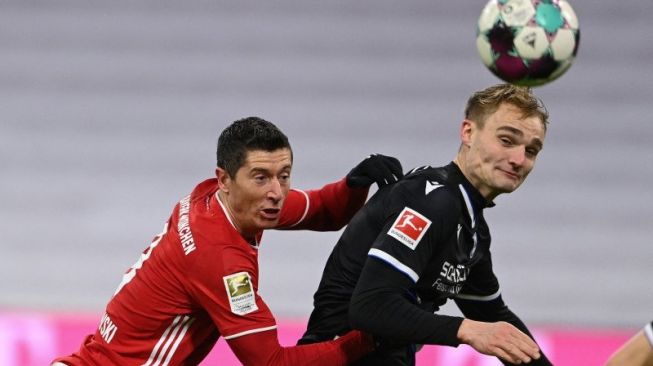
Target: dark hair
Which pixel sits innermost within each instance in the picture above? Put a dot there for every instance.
(244, 135)
(485, 102)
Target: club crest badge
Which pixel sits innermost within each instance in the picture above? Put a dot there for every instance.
(240, 293)
(409, 227)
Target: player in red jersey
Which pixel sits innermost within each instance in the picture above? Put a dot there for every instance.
(198, 279)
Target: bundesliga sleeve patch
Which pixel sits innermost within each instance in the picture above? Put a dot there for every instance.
(409, 227)
(240, 293)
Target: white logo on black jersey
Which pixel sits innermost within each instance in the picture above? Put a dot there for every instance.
(430, 186)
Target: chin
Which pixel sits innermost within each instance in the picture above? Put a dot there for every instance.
(509, 188)
(268, 224)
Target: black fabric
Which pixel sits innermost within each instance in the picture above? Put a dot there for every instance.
(376, 168)
(383, 306)
(389, 356)
(413, 246)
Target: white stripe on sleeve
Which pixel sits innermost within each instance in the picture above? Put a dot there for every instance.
(377, 253)
(251, 331)
(479, 298)
(308, 204)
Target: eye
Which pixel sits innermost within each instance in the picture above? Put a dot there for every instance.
(505, 141)
(284, 178)
(532, 152)
(260, 179)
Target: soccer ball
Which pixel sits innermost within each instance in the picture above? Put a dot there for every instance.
(528, 42)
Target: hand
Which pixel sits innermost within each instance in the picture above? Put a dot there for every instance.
(375, 168)
(499, 339)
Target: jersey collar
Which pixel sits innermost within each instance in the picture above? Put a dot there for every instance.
(476, 198)
(257, 238)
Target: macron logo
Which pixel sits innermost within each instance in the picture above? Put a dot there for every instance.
(430, 186)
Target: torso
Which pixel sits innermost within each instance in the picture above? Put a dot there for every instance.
(429, 226)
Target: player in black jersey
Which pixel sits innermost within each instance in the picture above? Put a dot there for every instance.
(424, 240)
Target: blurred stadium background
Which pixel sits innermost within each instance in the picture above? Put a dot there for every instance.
(109, 113)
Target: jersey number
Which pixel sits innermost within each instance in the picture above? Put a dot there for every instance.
(131, 272)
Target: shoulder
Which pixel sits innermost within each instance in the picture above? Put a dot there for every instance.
(426, 188)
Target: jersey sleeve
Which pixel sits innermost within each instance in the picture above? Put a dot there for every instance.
(383, 302)
(225, 284)
(263, 349)
(326, 209)
(413, 228)
(482, 284)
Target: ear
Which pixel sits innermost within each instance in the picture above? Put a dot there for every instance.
(467, 129)
(224, 180)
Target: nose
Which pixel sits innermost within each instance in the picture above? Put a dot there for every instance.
(275, 193)
(518, 156)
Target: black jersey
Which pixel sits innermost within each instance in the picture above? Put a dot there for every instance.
(413, 246)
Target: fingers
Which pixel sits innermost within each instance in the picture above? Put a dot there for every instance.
(526, 345)
(395, 167)
(517, 347)
(384, 174)
(499, 339)
(389, 169)
(514, 354)
(375, 168)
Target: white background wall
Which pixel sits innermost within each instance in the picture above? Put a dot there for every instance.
(109, 113)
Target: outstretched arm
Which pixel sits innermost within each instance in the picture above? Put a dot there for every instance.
(382, 305)
(503, 340)
(331, 207)
(488, 314)
(263, 349)
(637, 351)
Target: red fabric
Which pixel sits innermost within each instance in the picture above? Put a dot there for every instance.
(330, 208)
(174, 302)
(263, 349)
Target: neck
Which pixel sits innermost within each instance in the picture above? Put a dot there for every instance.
(460, 162)
(224, 199)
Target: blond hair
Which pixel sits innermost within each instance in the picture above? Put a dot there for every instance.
(485, 102)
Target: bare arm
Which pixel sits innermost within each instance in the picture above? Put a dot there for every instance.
(637, 351)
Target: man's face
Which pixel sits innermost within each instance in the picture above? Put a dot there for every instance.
(502, 153)
(257, 192)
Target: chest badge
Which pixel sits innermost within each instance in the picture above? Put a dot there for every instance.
(409, 227)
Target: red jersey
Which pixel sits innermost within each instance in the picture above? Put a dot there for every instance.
(198, 281)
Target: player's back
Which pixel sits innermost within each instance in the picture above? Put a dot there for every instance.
(153, 318)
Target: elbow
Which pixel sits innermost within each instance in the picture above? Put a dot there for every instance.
(338, 224)
(359, 317)
(355, 317)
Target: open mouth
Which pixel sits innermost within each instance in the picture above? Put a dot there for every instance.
(270, 213)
